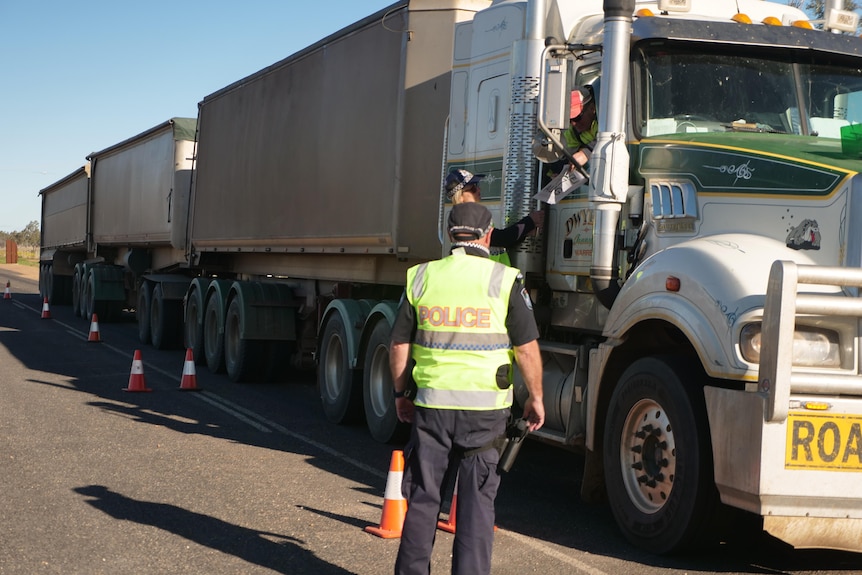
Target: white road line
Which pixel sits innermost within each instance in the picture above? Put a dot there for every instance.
(234, 413)
(551, 552)
(298, 436)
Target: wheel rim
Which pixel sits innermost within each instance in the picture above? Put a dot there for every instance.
(648, 456)
(333, 366)
(380, 381)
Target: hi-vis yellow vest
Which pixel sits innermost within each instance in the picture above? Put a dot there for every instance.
(462, 349)
(575, 141)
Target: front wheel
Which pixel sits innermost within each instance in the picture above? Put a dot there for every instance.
(380, 414)
(657, 456)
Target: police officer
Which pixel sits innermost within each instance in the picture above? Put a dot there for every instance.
(462, 186)
(462, 320)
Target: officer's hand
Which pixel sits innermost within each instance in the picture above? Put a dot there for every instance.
(538, 218)
(404, 408)
(534, 413)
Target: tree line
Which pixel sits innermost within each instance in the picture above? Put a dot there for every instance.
(818, 7)
(30, 236)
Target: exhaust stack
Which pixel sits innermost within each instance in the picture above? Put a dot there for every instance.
(609, 164)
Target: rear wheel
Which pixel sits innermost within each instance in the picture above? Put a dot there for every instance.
(380, 414)
(194, 327)
(214, 336)
(657, 456)
(77, 287)
(241, 356)
(43, 282)
(339, 385)
(88, 297)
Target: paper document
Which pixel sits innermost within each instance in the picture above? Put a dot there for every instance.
(564, 184)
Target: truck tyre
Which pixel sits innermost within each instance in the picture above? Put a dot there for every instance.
(380, 415)
(193, 326)
(240, 355)
(52, 286)
(43, 282)
(164, 320)
(142, 312)
(658, 458)
(77, 286)
(57, 287)
(87, 295)
(339, 386)
(214, 336)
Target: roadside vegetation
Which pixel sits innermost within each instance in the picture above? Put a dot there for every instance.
(27, 243)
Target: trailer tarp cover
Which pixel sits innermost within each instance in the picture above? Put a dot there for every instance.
(184, 128)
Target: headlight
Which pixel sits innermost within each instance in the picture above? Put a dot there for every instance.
(812, 347)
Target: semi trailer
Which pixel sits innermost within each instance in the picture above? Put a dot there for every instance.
(121, 216)
(697, 298)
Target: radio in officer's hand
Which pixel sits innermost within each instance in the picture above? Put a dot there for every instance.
(516, 431)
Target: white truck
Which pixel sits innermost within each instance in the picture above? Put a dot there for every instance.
(725, 180)
(697, 299)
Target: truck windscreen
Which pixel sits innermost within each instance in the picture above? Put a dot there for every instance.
(680, 90)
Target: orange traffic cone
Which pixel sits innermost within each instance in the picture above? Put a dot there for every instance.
(46, 311)
(94, 329)
(449, 524)
(394, 504)
(136, 377)
(189, 382)
(8, 293)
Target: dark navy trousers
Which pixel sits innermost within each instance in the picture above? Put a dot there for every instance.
(438, 440)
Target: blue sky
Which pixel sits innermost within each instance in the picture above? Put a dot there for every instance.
(77, 77)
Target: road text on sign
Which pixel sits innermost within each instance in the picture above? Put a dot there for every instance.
(829, 442)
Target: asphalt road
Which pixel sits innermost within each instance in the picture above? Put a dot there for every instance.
(251, 478)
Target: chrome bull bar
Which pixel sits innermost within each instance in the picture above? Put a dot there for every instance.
(783, 304)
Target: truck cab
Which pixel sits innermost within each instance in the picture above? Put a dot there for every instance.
(725, 175)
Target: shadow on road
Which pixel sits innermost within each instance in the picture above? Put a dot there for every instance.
(285, 556)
